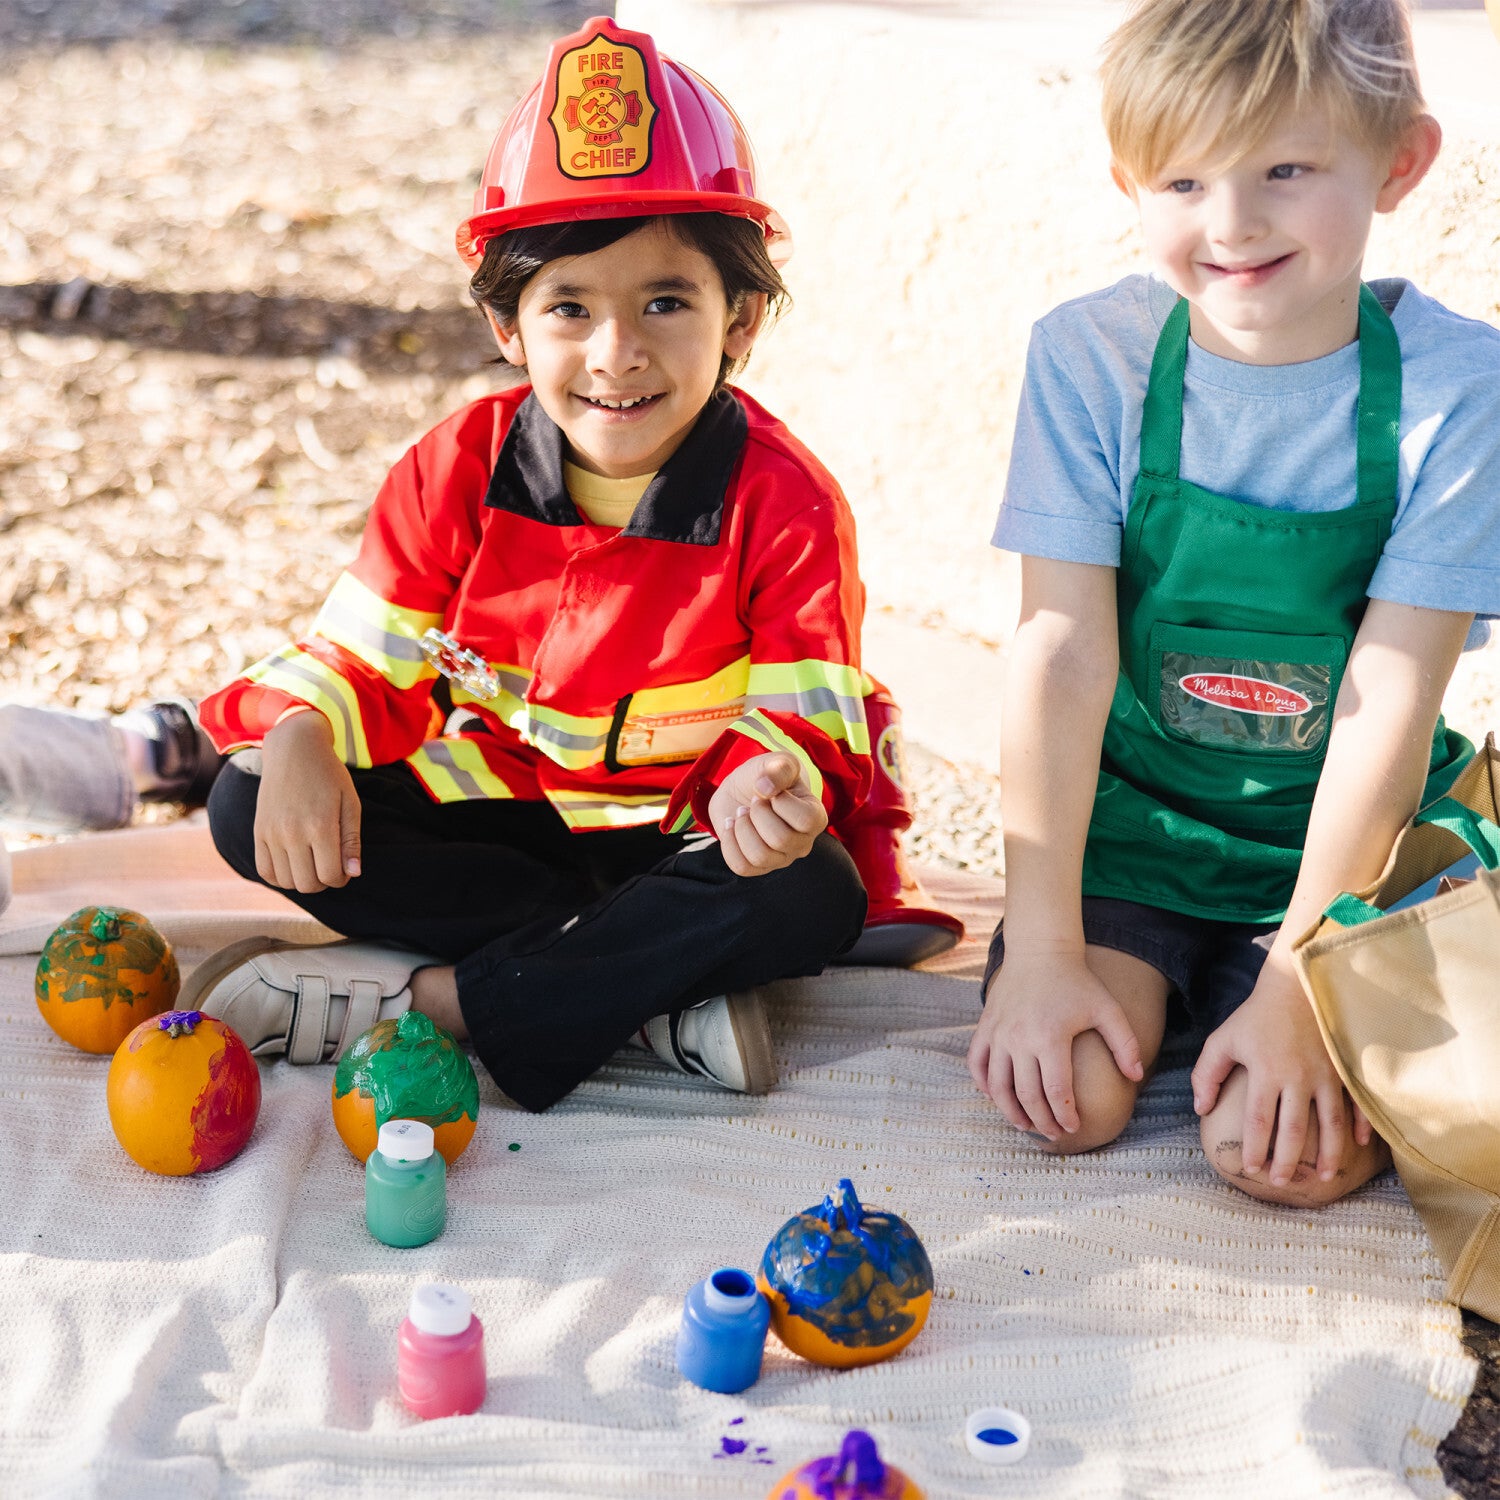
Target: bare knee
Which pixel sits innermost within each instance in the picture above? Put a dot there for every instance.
(1222, 1131)
(1105, 1099)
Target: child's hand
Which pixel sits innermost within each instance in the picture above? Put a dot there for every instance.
(1021, 1054)
(765, 816)
(307, 817)
(1274, 1037)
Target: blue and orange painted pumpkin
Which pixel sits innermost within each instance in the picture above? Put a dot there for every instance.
(101, 973)
(406, 1069)
(855, 1472)
(183, 1093)
(847, 1285)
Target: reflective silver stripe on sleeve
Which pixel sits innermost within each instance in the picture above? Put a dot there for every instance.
(809, 702)
(440, 755)
(295, 669)
(401, 647)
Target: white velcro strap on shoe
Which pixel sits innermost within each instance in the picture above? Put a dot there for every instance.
(304, 1043)
(364, 1012)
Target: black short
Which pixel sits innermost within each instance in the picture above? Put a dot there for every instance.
(1211, 966)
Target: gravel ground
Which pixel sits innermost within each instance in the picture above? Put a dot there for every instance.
(228, 302)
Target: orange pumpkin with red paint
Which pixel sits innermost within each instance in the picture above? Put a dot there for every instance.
(183, 1093)
(101, 973)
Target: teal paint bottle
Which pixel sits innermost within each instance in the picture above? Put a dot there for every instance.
(406, 1186)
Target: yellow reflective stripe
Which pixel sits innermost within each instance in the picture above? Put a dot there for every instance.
(569, 740)
(513, 684)
(757, 727)
(726, 686)
(685, 819)
(381, 634)
(455, 770)
(822, 692)
(580, 809)
(306, 678)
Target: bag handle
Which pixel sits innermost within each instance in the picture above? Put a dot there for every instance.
(1480, 835)
(1476, 830)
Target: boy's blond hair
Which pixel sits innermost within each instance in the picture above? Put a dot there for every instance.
(1174, 64)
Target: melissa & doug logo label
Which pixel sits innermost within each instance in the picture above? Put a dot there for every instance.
(602, 118)
(1248, 695)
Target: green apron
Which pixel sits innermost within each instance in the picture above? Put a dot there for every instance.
(1236, 622)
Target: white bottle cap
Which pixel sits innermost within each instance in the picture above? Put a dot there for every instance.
(405, 1140)
(997, 1435)
(439, 1308)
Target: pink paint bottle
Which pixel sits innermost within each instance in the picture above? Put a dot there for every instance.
(440, 1353)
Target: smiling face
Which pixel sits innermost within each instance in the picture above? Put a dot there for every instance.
(623, 346)
(1268, 248)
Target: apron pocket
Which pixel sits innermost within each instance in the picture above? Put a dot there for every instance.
(1243, 691)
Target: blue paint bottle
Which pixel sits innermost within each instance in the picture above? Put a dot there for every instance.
(723, 1332)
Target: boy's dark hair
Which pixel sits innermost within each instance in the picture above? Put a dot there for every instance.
(737, 248)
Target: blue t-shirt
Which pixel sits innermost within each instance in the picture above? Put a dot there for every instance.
(1281, 436)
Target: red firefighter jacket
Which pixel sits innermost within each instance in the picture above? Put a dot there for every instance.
(636, 667)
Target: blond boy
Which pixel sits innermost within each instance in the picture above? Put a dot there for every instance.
(1258, 507)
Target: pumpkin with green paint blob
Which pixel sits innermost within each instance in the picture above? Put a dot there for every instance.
(103, 972)
(407, 1069)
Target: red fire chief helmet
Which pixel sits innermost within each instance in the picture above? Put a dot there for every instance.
(613, 130)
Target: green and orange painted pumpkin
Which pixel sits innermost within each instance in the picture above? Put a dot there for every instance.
(184, 1093)
(847, 1285)
(406, 1069)
(103, 972)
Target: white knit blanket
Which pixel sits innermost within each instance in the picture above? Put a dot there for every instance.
(234, 1334)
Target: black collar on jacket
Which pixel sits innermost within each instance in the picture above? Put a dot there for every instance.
(684, 503)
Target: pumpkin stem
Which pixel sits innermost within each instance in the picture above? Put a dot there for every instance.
(416, 1027)
(842, 1208)
(179, 1022)
(859, 1460)
(105, 928)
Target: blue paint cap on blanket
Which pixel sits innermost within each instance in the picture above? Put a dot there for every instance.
(723, 1332)
(997, 1435)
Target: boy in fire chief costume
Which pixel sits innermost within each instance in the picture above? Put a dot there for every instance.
(640, 592)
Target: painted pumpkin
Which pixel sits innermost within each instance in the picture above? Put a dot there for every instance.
(102, 973)
(855, 1472)
(847, 1285)
(183, 1093)
(406, 1069)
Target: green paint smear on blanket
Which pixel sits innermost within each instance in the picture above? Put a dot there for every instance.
(413, 1070)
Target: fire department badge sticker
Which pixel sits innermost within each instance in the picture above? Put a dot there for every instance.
(888, 756)
(603, 114)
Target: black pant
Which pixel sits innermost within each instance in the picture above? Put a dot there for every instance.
(565, 944)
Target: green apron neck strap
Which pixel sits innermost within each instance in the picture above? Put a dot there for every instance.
(1379, 403)
(1379, 417)
(1161, 417)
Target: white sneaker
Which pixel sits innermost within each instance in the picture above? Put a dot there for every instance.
(726, 1039)
(310, 1001)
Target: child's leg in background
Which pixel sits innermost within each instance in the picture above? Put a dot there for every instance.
(62, 771)
(569, 942)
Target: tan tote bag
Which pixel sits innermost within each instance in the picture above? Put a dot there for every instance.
(1409, 1006)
